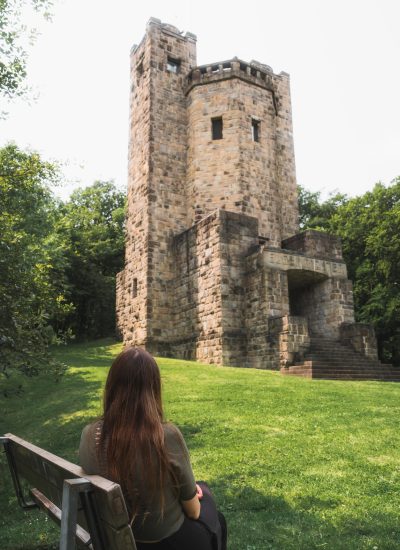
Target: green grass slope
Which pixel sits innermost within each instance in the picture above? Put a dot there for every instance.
(294, 463)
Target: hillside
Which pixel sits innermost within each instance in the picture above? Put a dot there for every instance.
(294, 463)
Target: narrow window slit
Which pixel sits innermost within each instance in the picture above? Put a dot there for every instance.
(255, 129)
(134, 288)
(139, 70)
(216, 127)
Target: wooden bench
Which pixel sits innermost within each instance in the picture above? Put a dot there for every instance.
(90, 509)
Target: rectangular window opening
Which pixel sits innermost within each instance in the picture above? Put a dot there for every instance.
(216, 127)
(134, 288)
(255, 129)
(173, 65)
(139, 70)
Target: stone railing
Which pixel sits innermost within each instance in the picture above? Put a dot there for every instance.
(291, 331)
(361, 337)
(315, 244)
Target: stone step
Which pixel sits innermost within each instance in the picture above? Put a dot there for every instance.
(336, 353)
(332, 360)
(351, 378)
(338, 362)
(317, 372)
(302, 372)
(308, 373)
(334, 347)
(347, 366)
(344, 364)
(348, 352)
(366, 372)
(343, 372)
(347, 361)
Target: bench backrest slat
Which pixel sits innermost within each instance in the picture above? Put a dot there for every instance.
(47, 472)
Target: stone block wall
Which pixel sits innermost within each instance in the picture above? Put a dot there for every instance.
(208, 288)
(266, 292)
(326, 305)
(292, 337)
(167, 165)
(197, 311)
(238, 234)
(286, 167)
(132, 313)
(315, 244)
(157, 208)
(236, 172)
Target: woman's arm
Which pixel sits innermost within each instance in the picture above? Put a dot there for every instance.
(192, 507)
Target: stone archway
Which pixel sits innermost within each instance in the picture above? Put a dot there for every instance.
(304, 288)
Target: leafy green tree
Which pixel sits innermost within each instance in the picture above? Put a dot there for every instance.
(92, 231)
(315, 214)
(28, 296)
(13, 37)
(58, 262)
(369, 227)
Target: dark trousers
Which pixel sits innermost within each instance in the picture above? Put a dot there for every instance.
(209, 532)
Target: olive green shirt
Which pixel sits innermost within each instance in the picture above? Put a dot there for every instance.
(148, 525)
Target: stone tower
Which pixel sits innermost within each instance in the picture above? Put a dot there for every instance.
(216, 269)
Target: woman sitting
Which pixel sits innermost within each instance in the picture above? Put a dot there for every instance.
(133, 446)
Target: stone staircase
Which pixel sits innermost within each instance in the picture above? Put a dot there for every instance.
(332, 360)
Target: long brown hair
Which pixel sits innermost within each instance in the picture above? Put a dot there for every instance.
(132, 432)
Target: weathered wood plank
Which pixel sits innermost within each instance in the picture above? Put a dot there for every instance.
(55, 514)
(119, 539)
(46, 472)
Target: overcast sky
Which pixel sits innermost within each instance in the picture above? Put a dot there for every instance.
(343, 58)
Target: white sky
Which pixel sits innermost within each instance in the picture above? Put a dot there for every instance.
(343, 57)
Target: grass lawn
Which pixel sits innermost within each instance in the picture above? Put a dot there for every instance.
(294, 463)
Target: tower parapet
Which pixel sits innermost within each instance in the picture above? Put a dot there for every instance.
(253, 72)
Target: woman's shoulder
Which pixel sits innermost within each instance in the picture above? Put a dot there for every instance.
(88, 456)
(92, 430)
(171, 430)
(173, 436)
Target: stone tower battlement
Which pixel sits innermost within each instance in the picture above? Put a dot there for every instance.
(213, 253)
(254, 72)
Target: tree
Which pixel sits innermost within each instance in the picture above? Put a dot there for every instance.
(58, 262)
(28, 296)
(91, 227)
(369, 227)
(315, 214)
(13, 36)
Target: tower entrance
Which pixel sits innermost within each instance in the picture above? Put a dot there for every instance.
(305, 291)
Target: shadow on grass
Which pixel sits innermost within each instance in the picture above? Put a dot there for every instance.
(51, 415)
(258, 521)
(99, 353)
(190, 433)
